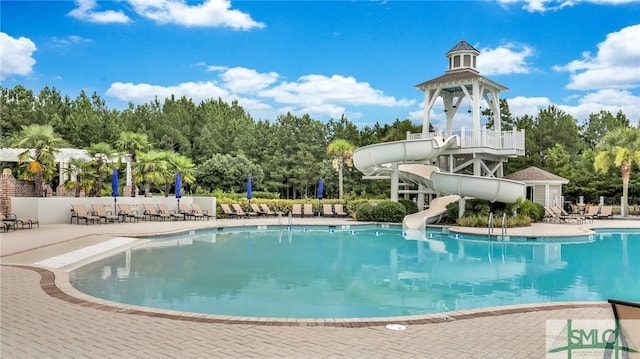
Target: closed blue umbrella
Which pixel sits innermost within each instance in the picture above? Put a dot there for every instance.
(114, 188)
(178, 187)
(320, 193)
(249, 189)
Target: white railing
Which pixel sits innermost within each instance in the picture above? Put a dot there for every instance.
(468, 138)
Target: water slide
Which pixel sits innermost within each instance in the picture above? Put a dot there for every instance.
(410, 156)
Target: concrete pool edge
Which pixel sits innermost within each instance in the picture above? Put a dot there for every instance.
(55, 283)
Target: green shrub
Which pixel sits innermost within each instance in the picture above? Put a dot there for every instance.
(363, 212)
(410, 207)
(388, 211)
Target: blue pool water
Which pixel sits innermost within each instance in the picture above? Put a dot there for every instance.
(363, 271)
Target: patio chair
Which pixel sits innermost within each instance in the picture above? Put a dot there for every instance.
(327, 211)
(8, 223)
(199, 211)
(164, 209)
(296, 210)
(258, 210)
(569, 216)
(154, 213)
(550, 215)
(307, 210)
(13, 221)
(80, 212)
(627, 316)
(125, 211)
(189, 212)
(267, 210)
(228, 211)
(338, 209)
(606, 212)
(592, 212)
(241, 212)
(102, 212)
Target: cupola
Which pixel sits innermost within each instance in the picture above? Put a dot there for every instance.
(462, 57)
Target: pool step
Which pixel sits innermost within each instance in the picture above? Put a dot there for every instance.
(68, 258)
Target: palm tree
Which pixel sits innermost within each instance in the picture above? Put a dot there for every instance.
(342, 150)
(41, 145)
(177, 163)
(150, 169)
(101, 153)
(130, 143)
(84, 180)
(621, 148)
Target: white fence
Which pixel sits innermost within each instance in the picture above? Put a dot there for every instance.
(469, 138)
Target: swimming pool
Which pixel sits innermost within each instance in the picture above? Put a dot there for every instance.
(360, 271)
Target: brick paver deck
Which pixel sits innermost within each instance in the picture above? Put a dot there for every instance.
(37, 323)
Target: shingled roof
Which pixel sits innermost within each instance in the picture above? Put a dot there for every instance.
(535, 174)
(462, 46)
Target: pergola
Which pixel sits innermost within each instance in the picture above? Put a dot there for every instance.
(62, 158)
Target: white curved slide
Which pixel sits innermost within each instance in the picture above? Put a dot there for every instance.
(488, 188)
(378, 157)
(370, 159)
(431, 215)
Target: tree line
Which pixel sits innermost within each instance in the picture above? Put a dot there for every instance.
(218, 145)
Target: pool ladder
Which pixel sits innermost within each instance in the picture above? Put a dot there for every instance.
(491, 224)
(290, 219)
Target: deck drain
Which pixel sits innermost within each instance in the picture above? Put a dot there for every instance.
(396, 326)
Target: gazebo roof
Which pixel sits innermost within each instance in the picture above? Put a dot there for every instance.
(458, 78)
(462, 46)
(535, 174)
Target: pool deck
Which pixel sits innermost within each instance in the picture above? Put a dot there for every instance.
(41, 317)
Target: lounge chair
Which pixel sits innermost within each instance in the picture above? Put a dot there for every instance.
(327, 211)
(296, 210)
(268, 211)
(606, 212)
(102, 212)
(241, 212)
(80, 212)
(164, 209)
(338, 209)
(125, 211)
(569, 216)
(627, 316)
(228, 211)
(258, 210)
(307, 210)
(9, 222)
(12, 221)
(188, 213)
(199, 211)
(592, 213)
(154, 213)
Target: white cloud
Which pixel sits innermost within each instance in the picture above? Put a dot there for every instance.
(506, 59)
(61, 42)
(85, 11)
(611, 100)
(264, 97)
(142, 93)
(16, 56)
(614, 66)
(241, 80)
(553, 5)
(313, 91)
(520, 105)
(211, 13)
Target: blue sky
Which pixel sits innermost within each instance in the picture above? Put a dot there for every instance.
(326, 58)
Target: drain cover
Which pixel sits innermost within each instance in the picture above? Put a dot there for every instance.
(396, 326)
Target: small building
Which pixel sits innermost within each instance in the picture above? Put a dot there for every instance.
(543, 187)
